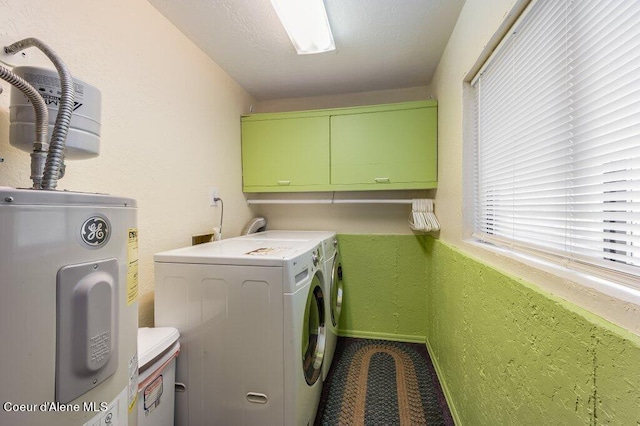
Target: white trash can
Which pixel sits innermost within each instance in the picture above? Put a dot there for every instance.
(157, 352)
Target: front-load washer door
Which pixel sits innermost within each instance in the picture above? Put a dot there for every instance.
(314, 332)
(336, 290)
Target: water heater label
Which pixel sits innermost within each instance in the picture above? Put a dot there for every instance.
(133, 382)
(95, 231)
(132, 266)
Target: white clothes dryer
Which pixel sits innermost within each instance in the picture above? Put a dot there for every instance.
(252, 330)
(333, 283)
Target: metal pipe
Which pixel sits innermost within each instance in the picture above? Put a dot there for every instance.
(288, 201)
(40, 145)
(358, 201)
(55, 159)
(331, 201)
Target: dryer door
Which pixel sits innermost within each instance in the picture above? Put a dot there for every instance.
(336, 289)
(314, 332)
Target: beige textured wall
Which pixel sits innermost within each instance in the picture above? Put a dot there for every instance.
(170, 119)
(345, 100)
(479, 28)
(349, 219)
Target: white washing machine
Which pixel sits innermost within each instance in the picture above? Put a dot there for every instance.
(252, 330)
(334, 291)
(333, 288)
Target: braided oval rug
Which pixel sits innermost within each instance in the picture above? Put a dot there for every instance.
(376, 382)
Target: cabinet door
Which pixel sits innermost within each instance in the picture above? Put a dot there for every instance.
(285, 153)
(388, 147)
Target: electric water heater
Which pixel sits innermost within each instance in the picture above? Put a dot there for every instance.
(68, 266)
(68, 308)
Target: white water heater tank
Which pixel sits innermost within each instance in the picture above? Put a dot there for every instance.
(83, 138)
(68, 308)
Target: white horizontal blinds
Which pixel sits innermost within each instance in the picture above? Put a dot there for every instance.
(522, 177)
(475, 167)
(604, 73)
(558, 134)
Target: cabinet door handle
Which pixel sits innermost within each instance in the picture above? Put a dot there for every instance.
(284, 182)
(382, 180)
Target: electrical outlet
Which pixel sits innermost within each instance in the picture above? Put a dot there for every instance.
(213, 194)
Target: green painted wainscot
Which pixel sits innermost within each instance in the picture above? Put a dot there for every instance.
(507, 353)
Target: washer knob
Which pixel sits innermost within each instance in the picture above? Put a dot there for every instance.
(314, 258)
(335, 242)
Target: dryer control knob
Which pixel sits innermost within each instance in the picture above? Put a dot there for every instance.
(335, 242)
(314, 258)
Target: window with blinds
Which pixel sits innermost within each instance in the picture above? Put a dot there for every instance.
(557, 123)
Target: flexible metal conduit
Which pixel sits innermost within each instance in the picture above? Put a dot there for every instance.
(55, 158)
(40, 145)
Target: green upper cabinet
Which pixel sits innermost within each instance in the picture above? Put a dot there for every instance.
(285, 154)
(390, 146)
(385, 150)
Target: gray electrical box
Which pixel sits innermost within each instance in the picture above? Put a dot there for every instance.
(86, 350)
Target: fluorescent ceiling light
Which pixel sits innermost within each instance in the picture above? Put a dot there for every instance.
(307, 25)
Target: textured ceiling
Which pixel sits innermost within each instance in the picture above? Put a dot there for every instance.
(380, 44)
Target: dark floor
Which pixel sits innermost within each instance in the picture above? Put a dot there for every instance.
(352, 396)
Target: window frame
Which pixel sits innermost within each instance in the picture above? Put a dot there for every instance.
(566, 266)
